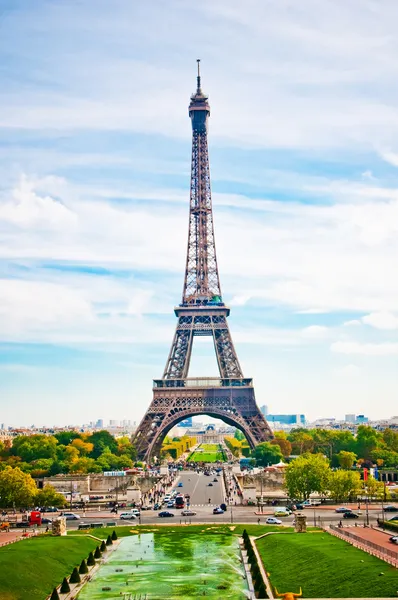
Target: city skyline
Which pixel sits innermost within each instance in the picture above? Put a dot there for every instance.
(95, 193)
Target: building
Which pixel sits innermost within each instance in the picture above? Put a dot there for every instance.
(264, 409)
(286, 419)
(100, 424)
(361, 419)
(349, 419)
(114, 423)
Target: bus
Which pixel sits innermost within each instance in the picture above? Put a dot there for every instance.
(180, 501)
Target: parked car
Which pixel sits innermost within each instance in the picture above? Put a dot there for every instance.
(311, 502)
(53, 509)
(127, 516)
(156, 506)
(171, 504)
(394, 539)
(350, 515)
(218, 511)
(273, 521)
(69, 516)
(165, 513)
(210, 484)
(188, 513)
(343, 509)
(390, 509)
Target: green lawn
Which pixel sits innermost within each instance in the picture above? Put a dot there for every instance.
(325, 566)
(211, 453)
(30, 569)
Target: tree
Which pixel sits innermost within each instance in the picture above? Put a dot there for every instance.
(307, 474)
(238, 435)
(66, 437)
(101, 441)
(83, 566)
(375, 489)
(125, 447)
(97, 553)
(33, 447)
(54, 595)
(85, 465)
(84, 448)
(367, 441)
(301, 441)
(75, 577)
(16, 488)
(65, 589)
(346, 459)
(344, 485)
(267, 454)
(284, 445)
(48, 496)
(390, 438)
(103, 546)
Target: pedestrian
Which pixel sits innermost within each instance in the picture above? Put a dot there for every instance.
(258, 521)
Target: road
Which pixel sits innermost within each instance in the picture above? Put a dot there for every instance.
(201, 493)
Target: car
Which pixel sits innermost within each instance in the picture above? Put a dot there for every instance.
(69, 516)
(218, 511)
(156, 506)
(46, 521)
(53, 509)
(127, 516)
(394, 539)
(146, 507)
(215, 480)
(343, 509)
(350, 515)
(210, 484)
(282, 513)
(390, 509)
(188, 513)
(223, 506)
(273, 521)
(165, 513)
(394, 518)
(311, 502)
(180, 484)
(171, 504)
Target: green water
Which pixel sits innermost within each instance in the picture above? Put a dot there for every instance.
(172, 566)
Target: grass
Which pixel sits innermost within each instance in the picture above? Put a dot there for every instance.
(32, 568)
(211, 453)
(325, 566)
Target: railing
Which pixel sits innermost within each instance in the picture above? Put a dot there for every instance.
(202, 382)
(390, 556)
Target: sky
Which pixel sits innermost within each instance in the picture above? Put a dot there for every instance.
(95, 144)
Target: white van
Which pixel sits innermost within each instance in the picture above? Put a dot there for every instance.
(127, 515)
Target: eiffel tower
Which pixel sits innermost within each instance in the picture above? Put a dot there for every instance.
(201, 312)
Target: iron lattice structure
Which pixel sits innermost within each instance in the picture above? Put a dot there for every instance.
(201, 312)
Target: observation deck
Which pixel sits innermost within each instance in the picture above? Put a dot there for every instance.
(203, 382)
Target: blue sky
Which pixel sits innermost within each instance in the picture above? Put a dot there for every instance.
(94, 179)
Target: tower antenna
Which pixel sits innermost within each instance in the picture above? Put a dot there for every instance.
(198, 77)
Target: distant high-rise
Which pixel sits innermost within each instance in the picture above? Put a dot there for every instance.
(99, 424)
(349, 419)
(114, 423)
(264, 409)
(361, 419)
(287, 419)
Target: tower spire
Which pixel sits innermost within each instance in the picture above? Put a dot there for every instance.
(198, 89)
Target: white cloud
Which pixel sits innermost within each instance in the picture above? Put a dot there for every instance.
(381, 320)
(352, 323)
(367, 349)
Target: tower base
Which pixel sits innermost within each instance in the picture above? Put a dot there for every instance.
(175, 400)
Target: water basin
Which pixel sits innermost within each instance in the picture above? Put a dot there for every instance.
(155, 566)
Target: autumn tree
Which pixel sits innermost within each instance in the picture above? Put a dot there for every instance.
(284, 445)
(16, 488)
(307, 474)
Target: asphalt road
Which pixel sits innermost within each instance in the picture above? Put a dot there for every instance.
(197, 486)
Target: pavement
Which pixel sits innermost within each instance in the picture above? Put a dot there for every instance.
(197, 486)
